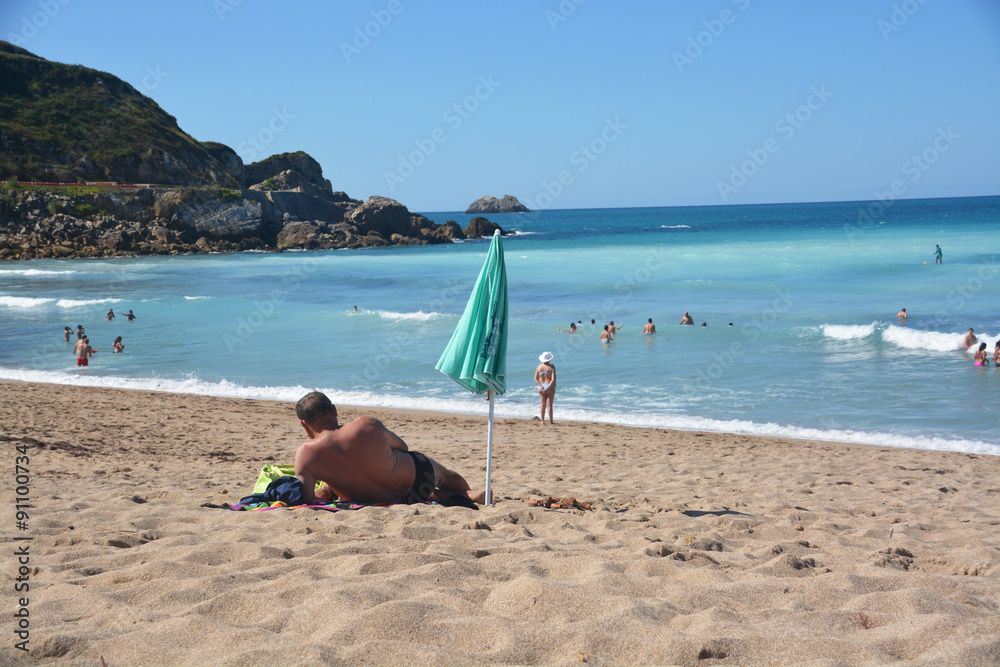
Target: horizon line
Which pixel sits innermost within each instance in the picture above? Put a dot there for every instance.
(785, 203)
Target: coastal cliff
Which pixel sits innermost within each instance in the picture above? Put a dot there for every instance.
(94, 168)
(509, 204)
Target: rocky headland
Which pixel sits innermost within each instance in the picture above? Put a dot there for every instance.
(488, 204)
(116, 175)
(105, 222)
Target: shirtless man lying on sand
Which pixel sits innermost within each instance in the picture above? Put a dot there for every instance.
(365, 462)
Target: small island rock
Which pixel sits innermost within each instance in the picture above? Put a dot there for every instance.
(509, 204)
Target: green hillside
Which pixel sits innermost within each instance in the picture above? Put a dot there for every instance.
(71, 123)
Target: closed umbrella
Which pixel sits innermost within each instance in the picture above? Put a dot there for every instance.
(476, 355)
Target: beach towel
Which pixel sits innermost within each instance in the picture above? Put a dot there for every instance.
(276, 488)
(332, 506)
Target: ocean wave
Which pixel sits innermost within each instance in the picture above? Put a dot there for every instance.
(848, 331)
(197, 298)
(419, 315)
(189, 385)
(911, 339)
(23, 301)
(33, 272)
(79, 303)
(675, 226)
(465, 403)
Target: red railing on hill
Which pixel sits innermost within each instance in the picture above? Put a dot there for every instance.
(91, 183)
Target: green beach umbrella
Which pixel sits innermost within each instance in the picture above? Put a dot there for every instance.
(476, 355)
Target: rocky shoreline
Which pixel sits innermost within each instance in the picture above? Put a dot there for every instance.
(45, 223)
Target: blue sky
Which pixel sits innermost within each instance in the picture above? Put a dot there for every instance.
(571, 103)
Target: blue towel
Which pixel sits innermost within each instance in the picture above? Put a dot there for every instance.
(285, 489)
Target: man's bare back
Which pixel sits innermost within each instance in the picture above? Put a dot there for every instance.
(364, 461)
(364, 447)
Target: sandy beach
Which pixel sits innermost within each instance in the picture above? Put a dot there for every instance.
(699, 549)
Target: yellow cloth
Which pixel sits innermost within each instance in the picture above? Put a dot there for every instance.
(269, 473)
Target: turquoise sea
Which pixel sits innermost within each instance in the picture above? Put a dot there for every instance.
(811, 290)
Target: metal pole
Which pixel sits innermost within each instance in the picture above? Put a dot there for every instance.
(489, 453)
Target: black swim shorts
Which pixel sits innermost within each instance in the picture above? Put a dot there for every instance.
(423, 480)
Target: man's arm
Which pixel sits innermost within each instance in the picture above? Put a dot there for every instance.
(302, 460)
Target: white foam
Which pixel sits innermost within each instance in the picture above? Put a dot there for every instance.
(675, 226)
(79, 303)
(419, 315)
(466, 403)
(23, 301)
(33, 272)
(911, 339)
(848, 331)
(686, 423)
(189, 385)
(197, 298)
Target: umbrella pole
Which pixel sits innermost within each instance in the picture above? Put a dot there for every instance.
(489, 452)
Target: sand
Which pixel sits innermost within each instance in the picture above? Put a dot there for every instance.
(700, 549)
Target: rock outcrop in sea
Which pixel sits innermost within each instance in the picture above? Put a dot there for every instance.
(488, 204)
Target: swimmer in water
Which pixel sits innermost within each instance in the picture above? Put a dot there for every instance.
(650, 328)
(901, 315)
(970, 339)
(545, 378)
(996, 355)
(83, 352)
(981, 356)
(572, 329)
(687, 319)
(605, 335)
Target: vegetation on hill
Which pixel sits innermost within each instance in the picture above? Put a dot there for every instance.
(71, 123)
